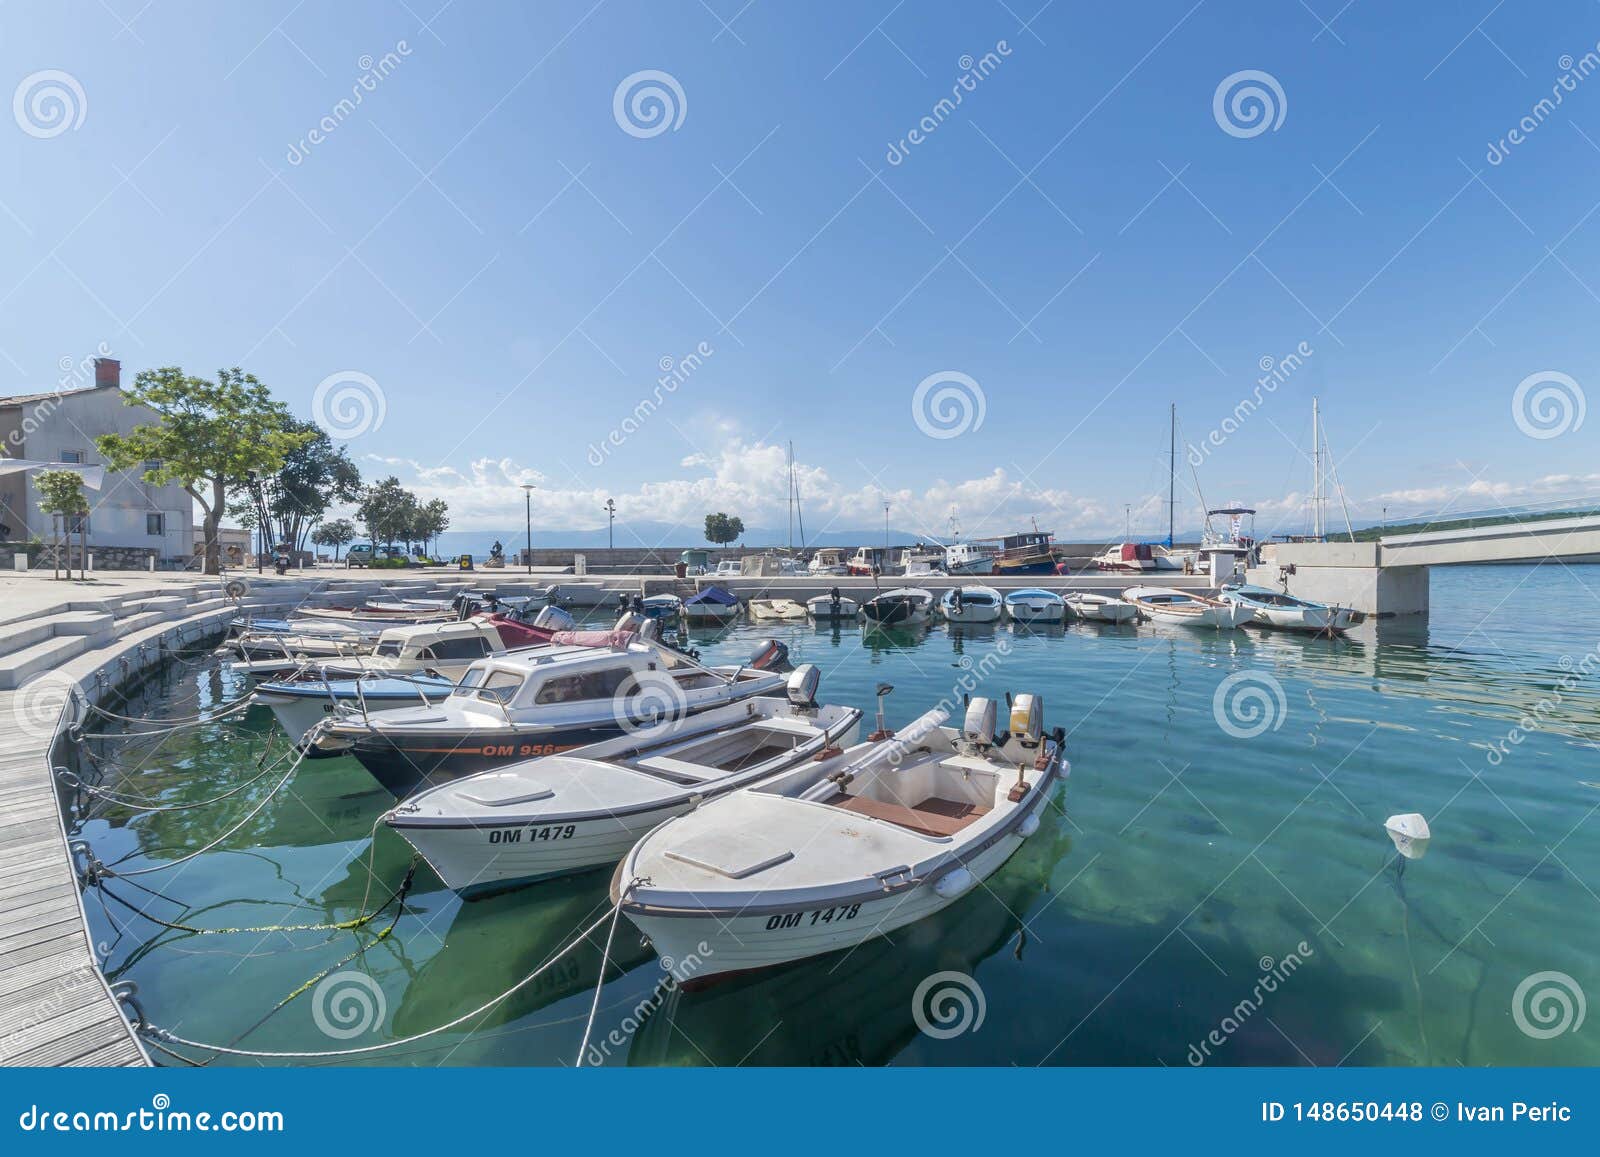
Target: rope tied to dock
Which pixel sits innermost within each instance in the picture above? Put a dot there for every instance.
(605, 961)
(159, 1036)
(232, 707)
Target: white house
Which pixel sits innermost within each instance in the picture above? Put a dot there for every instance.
(61, 426)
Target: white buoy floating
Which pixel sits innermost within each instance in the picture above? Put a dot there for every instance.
(1410, 834)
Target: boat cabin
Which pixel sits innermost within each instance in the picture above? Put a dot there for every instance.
(828, 560)
(439, 642)
(870, 559)
(572, 674)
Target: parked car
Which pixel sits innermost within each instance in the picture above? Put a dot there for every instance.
(359, 555)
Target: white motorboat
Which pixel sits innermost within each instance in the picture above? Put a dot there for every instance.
(1035, 605)
(544, 701)
(870, 560)
(900, 606)
(963, 558)
(445, 648)
(974, 604)
(711, 606)
(585, 809)
(1185, 608)
(1286, 612)
(1131, 557)
(728, 568)
(1101, 608)
(825, 856)
(832, 607)
(776, 610)
(388, 614)
(829, 561)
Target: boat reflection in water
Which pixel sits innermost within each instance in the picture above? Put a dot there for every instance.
(857, 1006)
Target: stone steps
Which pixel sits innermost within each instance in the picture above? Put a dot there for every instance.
(21, 665)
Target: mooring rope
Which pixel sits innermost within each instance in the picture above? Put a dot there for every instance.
(264, 930)
(154, 1033)
(142, 804)
(605, 960)
(232, 707)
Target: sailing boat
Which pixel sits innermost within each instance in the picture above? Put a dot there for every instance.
(1142, 557)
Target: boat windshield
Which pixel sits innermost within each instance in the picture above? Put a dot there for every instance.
(388, 650)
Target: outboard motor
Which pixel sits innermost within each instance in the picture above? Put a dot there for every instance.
(978, 726)
(554, 619)
(802, 686)
(834, 600)
(771, 655)
(1027, 719)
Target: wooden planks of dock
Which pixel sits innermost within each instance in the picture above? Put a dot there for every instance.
(55, 1006)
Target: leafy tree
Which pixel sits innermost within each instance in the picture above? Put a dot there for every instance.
(315, 475)
(61, 493)
(387, 511)
(432, 520)
(209, 437)
(722, 528)
(338, 533)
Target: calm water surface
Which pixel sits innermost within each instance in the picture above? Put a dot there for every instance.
(1185, 862)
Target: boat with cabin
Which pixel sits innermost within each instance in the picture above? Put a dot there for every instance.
(829, 560)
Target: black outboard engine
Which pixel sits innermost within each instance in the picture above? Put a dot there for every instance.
(834, 599)
(771, 655)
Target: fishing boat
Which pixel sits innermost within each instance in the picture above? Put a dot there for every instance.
(543, 702)
(869, 560)
(964, 558)
(832, 607)
(840, 850)
(828, 561)
(569, 813)
(974, 604)
(1185, 608)
(922, 558)
(1028, 552)
(1286, 612)
(712, 606)
(1100, 608)
(777, 610)
(900, 606)
(1035, 605)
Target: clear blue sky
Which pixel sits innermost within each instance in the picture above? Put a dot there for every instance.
(1080, 236)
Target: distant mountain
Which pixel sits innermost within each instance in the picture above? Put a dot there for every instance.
(653, 534)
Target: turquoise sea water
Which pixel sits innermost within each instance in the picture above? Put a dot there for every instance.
(1202, 894)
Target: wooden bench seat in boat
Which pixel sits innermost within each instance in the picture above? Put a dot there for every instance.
(931, 817)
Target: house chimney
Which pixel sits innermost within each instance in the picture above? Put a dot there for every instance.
(107, 372)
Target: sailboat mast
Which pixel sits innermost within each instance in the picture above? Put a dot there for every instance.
(1316, 470)
(799, 512)
(1172, 473)
(791, 497)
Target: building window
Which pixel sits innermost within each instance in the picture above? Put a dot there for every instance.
(155, 524)
(74, 457)
(152, 465)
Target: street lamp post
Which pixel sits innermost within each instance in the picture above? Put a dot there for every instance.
(527, 495)
(886, 533)
(611, 524)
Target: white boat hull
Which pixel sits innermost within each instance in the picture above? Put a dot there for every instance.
(701, 614)
(1108, 611)
(822, 609)
(1028, 613)
(469, 858)
(1219, 618)
(699, 948)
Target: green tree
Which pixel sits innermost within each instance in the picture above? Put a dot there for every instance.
(209, 437)
(337, 533)
(722, 529)
(314, 476)
(61, 493)
(432, 520)
(387, 511)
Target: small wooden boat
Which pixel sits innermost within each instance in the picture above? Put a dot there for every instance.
(901, 606)
(832, 607)
(974, 604)
(1101, 608)
(840, 850)
(570, 813)
(1034, 605)
(710, 606)
(776, 610)
(1186, 609)
(1286, 612)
